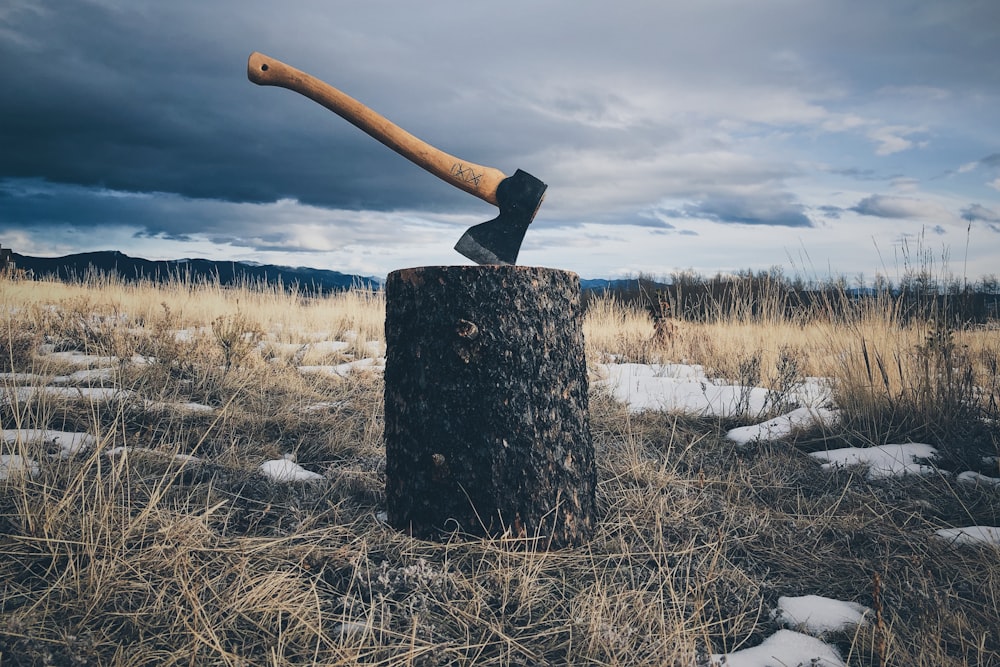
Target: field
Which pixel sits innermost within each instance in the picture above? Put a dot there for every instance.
(138, 527)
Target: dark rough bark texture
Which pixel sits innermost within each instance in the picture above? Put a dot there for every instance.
(487, 421)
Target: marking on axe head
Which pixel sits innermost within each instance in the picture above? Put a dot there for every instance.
(498, 241)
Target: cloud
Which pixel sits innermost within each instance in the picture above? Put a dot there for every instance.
(979, 213)
(888, 206)
(139, 116)
(832, 212)
(975, 212)
(990, 161)
(967, 167)
(893, 138)
(286, 225)
(778, 210)
(919, 93)
(905, 184)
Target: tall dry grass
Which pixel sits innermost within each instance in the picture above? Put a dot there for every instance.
(896, 378)
(146, 557)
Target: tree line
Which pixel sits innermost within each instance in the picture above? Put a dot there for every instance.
(770, 294)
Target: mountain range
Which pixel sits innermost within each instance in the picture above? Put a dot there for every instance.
(111, 262)
(303, 279)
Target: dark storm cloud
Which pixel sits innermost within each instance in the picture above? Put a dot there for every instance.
(141, 98)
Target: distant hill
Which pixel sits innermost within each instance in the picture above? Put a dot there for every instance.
(112, 262)
(603, 284)
(302, 278)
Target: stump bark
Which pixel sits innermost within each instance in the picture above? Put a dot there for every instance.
(486, 411)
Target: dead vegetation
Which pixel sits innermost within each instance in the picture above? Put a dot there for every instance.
(176, 550)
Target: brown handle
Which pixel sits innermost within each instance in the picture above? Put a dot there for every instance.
(473, 178)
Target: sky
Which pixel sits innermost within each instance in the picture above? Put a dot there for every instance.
(821, 138)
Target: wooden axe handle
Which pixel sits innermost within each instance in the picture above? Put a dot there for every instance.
(473, 178)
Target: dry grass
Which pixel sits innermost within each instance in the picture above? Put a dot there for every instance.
(143, 559)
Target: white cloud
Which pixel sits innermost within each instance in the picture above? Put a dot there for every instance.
(904, 184)
(980, 212)
(995, 184)
(892, 138)
(887, 206)
(919, 93)
(844, 122)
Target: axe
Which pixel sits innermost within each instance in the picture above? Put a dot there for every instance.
(518, 197)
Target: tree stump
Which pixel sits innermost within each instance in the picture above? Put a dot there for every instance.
(486, 411)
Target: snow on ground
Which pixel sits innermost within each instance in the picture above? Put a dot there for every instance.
(118, 451)
(972, 477)
(812, 616)
(782, 426)
(686, 388)
(883, 461)
(22, 378)
(668, 387)
(77, 358)
(323, 406)
(818, 615)
(320, 347)
(23, 394)
(13, 466)
(74, 357)
(188, 335)
(783, 648)
(971, 535)
(189, 406)
(678, 388)
(24, 387)
(26, 394)
(287, 470)
(68, 443)
(348, 368)
(86, 375)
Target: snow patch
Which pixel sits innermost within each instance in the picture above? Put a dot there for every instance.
(13, 466)
(76, 358)
(972, 477)
(97, 394)
(183, 458)
(971, 535)
(817, 615)
(783, 648)
(882, 461)
(678, 388)
(86, 375)
(686, 388)
(189, 406)
(782, 427)
(349, 368)
(68, 443)
(287, 470)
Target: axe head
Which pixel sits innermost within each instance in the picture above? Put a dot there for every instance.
(499, 240)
